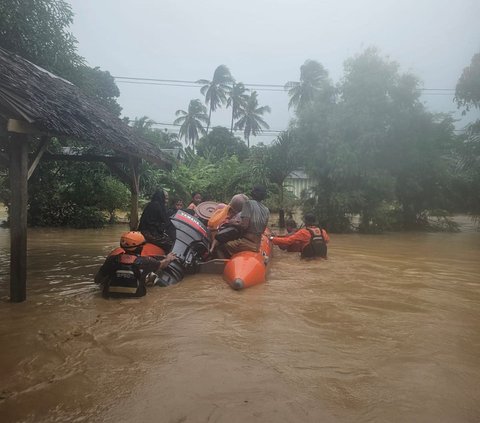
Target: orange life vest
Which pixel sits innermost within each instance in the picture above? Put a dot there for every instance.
(317, 247)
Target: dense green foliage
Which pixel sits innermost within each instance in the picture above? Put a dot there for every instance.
(38, 31)
(467, 95)
(79, 195)
(221, 143)
(375, 151)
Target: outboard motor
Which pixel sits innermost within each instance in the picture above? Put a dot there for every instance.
(191, 246)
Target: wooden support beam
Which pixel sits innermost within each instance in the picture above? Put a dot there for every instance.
(22, 127)
(4, 159)
(18, 217)
(133, 182)
(38, 155)
(134, 189)
(4, 155)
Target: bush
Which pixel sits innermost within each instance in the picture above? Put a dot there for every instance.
(87, 217)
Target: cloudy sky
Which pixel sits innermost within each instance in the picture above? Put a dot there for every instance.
(266, 42)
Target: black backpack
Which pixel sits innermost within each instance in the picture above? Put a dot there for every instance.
(316, 247)
(127, 280)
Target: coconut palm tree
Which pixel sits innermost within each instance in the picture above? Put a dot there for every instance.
(191, 121)
(313, 77)
(251, 121)
(215, 91)
(237, 99)
(142, 125)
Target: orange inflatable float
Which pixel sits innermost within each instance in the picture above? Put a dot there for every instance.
(243, 269)
(248, 268)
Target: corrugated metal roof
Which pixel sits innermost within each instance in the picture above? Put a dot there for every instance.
(298, 174)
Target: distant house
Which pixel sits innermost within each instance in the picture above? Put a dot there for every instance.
(297, 182)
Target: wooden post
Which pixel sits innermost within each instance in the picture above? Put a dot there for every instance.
(18, 217)
(134, 189)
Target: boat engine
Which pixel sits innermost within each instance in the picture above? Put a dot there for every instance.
(191, 247)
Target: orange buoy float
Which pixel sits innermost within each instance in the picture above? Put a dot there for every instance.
(249, 268)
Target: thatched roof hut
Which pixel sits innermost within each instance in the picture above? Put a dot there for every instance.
(57, 107)
(35, 102)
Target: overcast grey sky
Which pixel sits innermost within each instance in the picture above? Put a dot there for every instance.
(266, 42)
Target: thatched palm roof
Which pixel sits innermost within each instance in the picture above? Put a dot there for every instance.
(57, 107)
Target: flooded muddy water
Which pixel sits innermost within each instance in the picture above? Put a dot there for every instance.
(386, 330)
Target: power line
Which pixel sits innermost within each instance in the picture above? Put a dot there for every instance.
(195, 84)
(172, 84)
(264, 131)
(179, 81)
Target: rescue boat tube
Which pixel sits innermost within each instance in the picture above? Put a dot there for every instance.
(147, 250)
(249, 268)
(152, 250)
(190, 246)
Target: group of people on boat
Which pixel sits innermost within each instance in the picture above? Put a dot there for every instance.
(232, 228)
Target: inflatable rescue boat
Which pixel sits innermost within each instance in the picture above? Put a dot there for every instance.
(191, 246)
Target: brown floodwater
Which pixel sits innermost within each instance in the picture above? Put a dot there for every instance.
(386, 330)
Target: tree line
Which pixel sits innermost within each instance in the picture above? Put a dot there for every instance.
(378, 159)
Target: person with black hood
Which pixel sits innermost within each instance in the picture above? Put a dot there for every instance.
(155, 224)
(253, 221)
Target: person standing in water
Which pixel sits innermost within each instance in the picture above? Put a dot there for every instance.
(311, 240)
(124, 271)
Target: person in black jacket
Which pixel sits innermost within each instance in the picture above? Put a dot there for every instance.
(155, 224)
(125, 270)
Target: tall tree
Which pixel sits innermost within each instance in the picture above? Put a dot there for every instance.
(38, 31)
(99, 85)
(220, 143)
(215, 91)
(161, 138)
(191, 121)
(467, 91)
(375, 152)
(313, 79)
(467, 95)
(237, 99)
(282, 159)
(251, 121)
